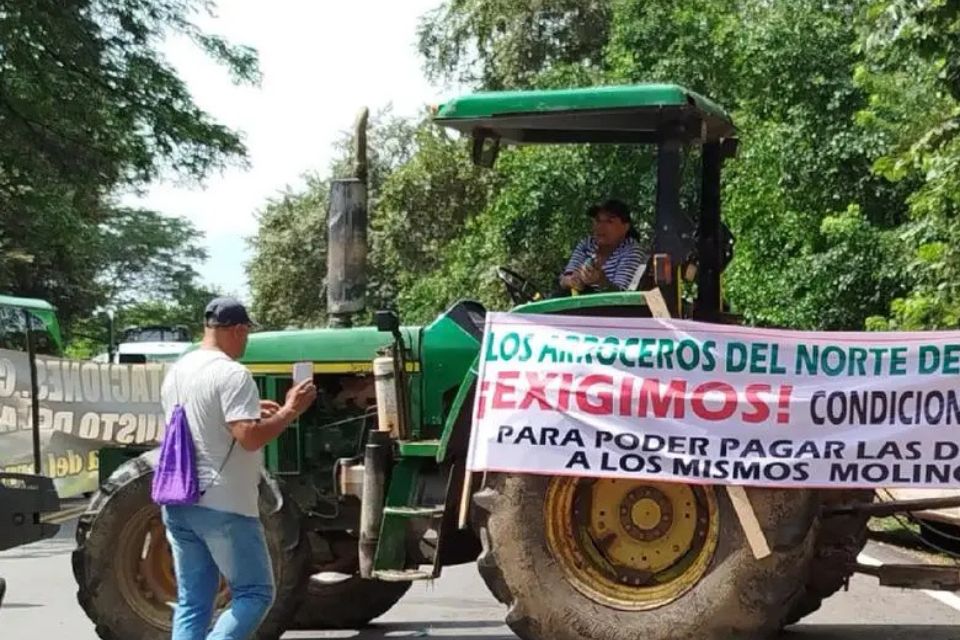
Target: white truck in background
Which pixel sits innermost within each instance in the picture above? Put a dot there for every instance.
(149, 343)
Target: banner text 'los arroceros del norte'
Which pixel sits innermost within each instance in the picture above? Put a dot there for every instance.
(703, 403)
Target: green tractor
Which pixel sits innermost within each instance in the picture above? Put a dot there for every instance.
(368, 492)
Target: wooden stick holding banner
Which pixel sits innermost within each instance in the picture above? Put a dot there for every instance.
(34, 392)
(748, 520)
(465, 499)
(737, 494)
(467, 473)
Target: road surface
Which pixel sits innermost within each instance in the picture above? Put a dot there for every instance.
(41, 605)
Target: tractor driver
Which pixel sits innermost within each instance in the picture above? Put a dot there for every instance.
(609, 258)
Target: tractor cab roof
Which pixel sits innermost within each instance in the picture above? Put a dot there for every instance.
(643, 113)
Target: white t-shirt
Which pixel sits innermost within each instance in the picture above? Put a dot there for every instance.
(216, 390)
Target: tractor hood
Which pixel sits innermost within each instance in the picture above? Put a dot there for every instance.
(331, 350)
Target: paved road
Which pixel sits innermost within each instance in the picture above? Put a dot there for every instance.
(41, 605)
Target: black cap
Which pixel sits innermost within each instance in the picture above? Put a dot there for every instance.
(614, 207)
(226, 312)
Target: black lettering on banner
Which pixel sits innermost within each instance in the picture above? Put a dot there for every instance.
(945, 451)
(549, 435)
(728, 446)
(578, 460)
(572, 436)
(689, 468)
(815, 416)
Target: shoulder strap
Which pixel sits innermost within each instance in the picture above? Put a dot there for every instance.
(233, 443)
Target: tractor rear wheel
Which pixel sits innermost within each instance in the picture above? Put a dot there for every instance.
(589, 559)
(124, 570)
(839, 541)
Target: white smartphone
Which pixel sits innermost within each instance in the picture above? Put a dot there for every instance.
(302, 371)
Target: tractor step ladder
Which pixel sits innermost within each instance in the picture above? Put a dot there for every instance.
(408, 575)
(431, 517)
(414, 513)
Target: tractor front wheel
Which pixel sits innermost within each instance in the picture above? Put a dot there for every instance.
(336, 596)
(124, 569)
(609, 559)
(347, 602)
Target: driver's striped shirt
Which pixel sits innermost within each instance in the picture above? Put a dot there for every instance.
(620, 266)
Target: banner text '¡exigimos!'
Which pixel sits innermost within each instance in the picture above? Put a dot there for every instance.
(602, 394)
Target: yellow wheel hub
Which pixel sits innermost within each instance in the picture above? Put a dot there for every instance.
(144, 567)
(631, 545)
(646, 514)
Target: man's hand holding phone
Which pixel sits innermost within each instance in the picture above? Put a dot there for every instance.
(301, 396)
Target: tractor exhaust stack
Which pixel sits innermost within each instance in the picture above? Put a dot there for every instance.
(347, 236)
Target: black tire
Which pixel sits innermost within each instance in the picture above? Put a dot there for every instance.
(738, 597)
(349, 604)
(105, 528)
(840, 539)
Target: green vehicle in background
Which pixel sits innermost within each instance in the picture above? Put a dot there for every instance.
(16, 312)
(366, 494)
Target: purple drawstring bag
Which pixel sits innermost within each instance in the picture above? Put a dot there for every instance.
(175, 477)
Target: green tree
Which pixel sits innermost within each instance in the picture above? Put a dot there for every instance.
(420, 209)
(288, 267)
(508, 44)
(289, 259)
(911, 69)
(89, 105)
(91, 334)
(842, 199)
(812, 220)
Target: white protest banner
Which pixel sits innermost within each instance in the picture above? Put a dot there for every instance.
(83, 407)
(704, 403)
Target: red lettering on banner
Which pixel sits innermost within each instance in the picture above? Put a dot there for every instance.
(626, 396)
(537, 390)
(482, 405)
(503, 392)
(700, 407)
(760, 409)
(563, 398)
(783, 415)
(604, 404)
(602, 394)
(651, 391)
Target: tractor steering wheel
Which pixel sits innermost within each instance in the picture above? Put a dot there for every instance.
(518, 287)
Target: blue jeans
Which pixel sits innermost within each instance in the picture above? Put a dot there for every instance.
(205, 544)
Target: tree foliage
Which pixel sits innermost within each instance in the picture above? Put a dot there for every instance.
(507, 44)
(288, 269)
(89, 106)
(842, 199)
(911, 69)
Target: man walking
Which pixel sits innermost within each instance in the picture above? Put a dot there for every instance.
(222, 532)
